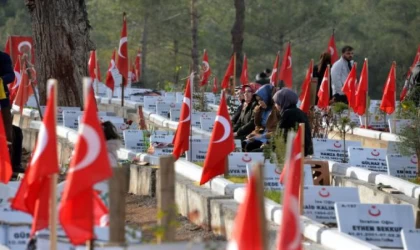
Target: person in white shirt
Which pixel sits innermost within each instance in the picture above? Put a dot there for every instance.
(340, 71)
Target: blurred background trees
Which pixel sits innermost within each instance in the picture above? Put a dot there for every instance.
(381, 30)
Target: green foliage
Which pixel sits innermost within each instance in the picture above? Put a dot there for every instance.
(273, 195)
(409, 135)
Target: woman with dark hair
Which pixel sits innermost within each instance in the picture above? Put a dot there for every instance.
(245, 123)
(113, 142)
(290, 116)
(319, 71)
(265, 119)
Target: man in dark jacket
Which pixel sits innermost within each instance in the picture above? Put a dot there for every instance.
(6, 76)
(245, 123)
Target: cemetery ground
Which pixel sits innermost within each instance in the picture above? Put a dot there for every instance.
(142, 213)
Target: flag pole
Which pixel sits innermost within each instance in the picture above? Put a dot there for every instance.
(86, 88)
(329, 95)
(302, 150)
(258, 172)
(234, 74)
(191, 107)
(53, 187)
(367, 96)
(96, 72)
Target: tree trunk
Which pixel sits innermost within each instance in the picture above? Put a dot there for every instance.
(194, 40)
(238, 34)
(61, 38)
(144, 50)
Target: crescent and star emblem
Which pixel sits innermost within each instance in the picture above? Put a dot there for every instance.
(92, 141)
(122, 41)
(226, 127)
(187, 101)
(374, 213)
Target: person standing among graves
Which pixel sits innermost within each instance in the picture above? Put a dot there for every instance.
(113, 142)
(290, 116)
(339, 72)
(7, 76)
(265, 119)
(319, 71)
(245, 124)
(413, 83)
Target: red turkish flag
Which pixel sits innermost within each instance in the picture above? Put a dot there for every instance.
(138, 65)
(305, 95)
(244, 73)
(228, 74)
(33, 195)
(182, 134)
(206, 69)
(133, 73)
(286, 70)
(100, 211)
(332, 49)
(290, 235)
(349, 87)
(274, 74)
(245, 235)
(324, 90)
(361, 92)
(122, 63)
(24, 91)
(221, 144)
(215, 85)
(18, 45)
(109, 81)
(388, 98)
(404, 92)
(415, 61)
(89, 165)
(5, 166)
(93, 66)
(14, 86)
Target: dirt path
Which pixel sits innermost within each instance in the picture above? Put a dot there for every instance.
(141, 213)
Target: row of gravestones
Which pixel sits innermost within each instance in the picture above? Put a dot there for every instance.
(16, 226)
(380, 160)
(378, 224)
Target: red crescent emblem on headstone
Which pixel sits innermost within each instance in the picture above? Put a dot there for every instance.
(277, 171)
(337, 144)
(414, 159)
(373, 213)
(246, 158)
(375, 153)
(324, 193)
(172, 105)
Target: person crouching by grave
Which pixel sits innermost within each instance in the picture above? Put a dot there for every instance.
(113, 142)
(290, 116)
(265, 120)
(245, 124)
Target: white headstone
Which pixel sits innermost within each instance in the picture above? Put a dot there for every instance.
(198, 149)
(163, 108)
(332, 150)
(410, 238)
(373, 159)
(396, 125)
(135, 140)
(319, 201)
(402, 166)
(150, 102)
(377, 224)
(162, 144)
(375, 121)
(174, 114)
(238, 162)
(70, 118)
(207, 124)
(179, 97)
(137, 98)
